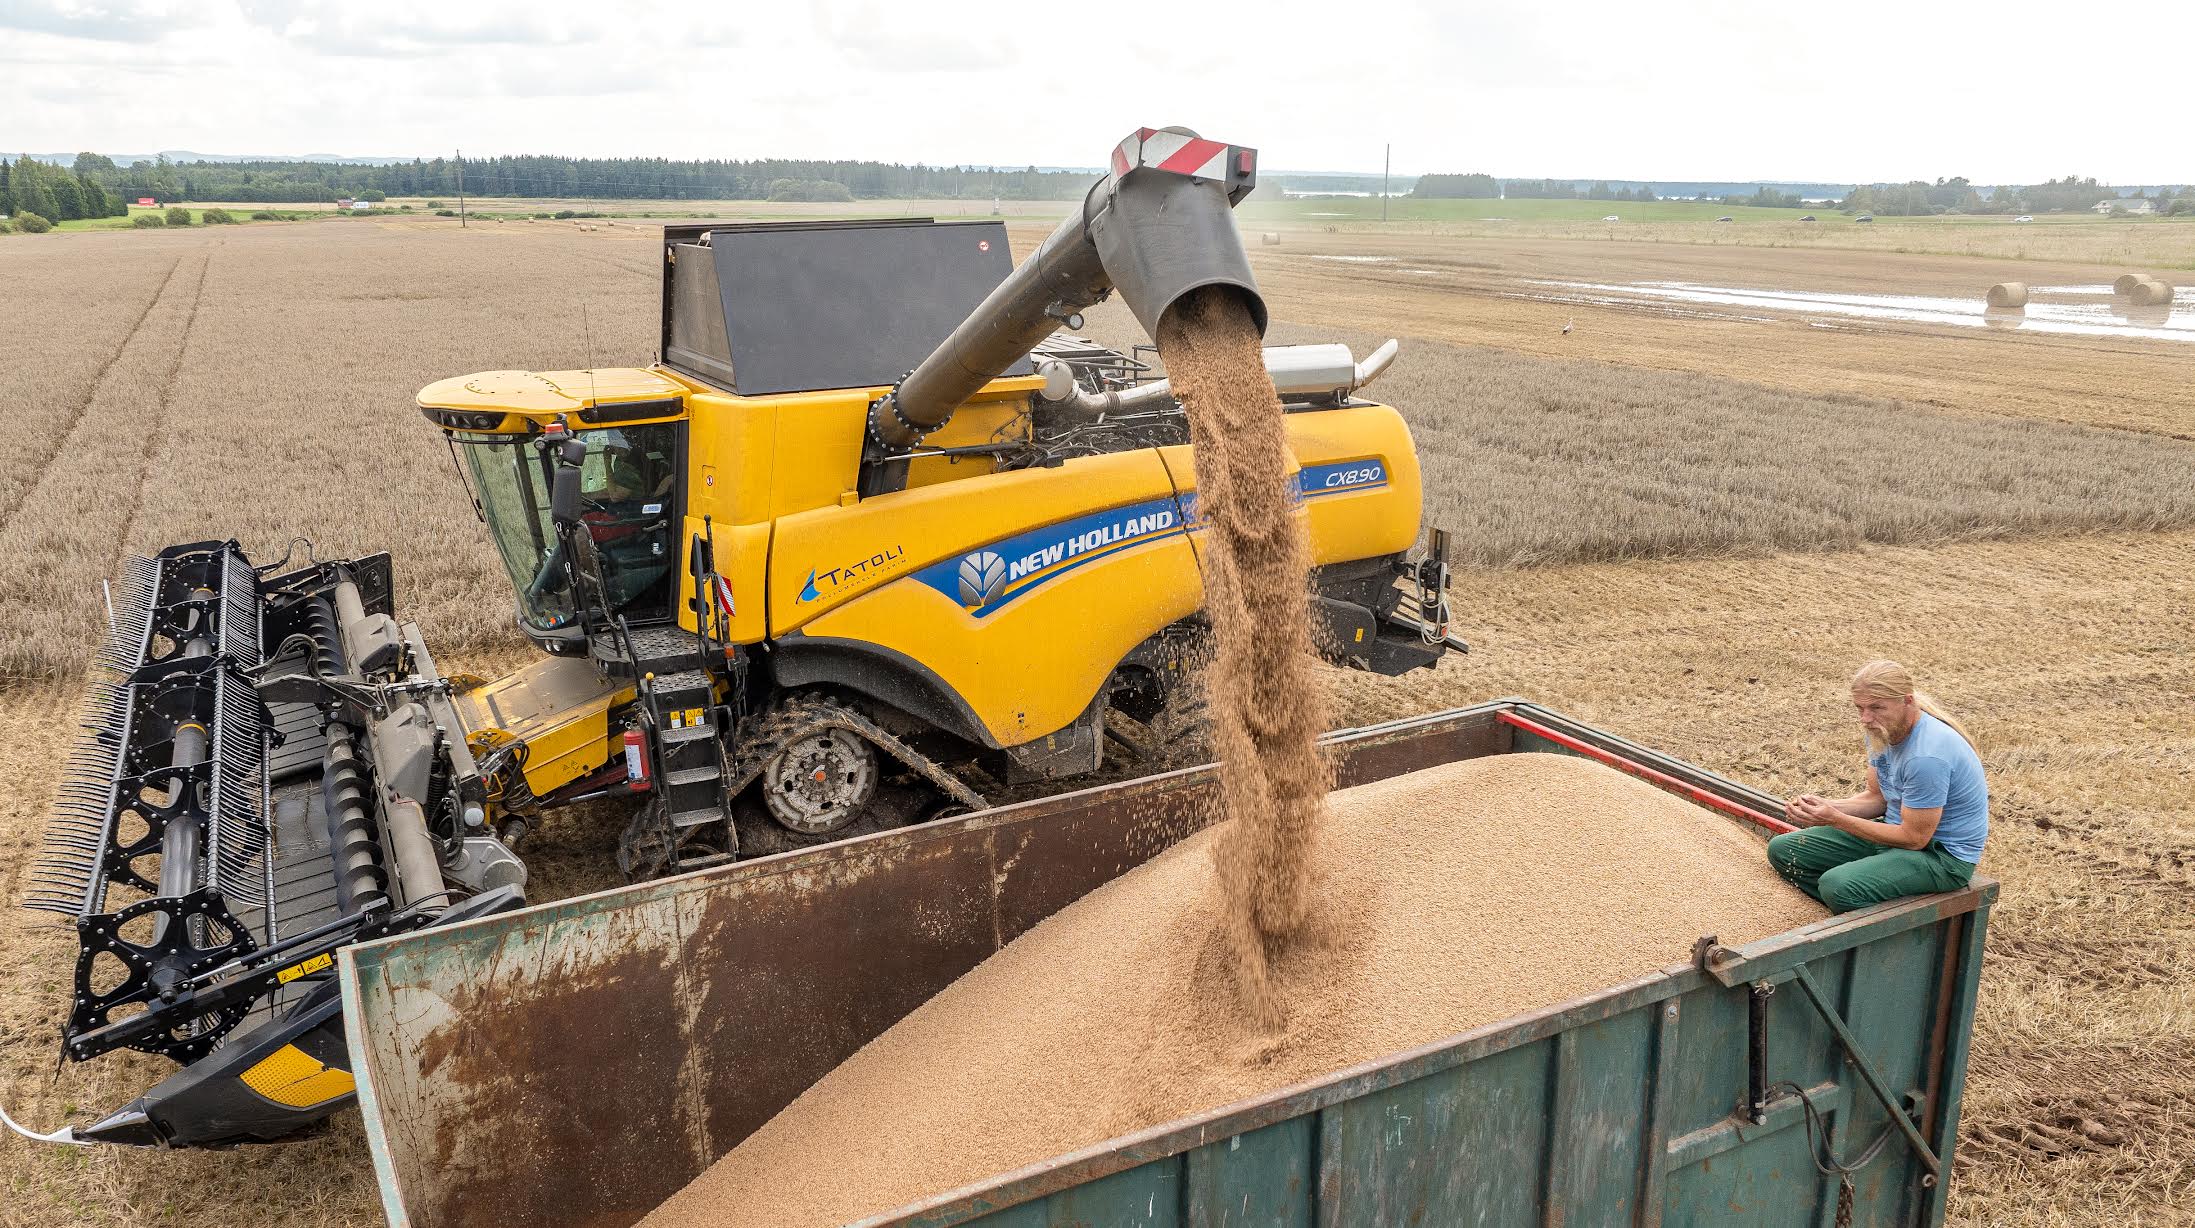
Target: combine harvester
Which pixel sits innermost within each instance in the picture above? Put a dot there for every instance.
(869, 543)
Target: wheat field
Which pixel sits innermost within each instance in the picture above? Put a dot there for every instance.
(1691, 553)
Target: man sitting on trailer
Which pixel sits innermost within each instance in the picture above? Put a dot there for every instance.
(1919, 825)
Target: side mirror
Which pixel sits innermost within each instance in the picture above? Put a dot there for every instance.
(564, 484)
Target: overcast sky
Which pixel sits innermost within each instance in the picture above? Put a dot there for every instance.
(1999, 92)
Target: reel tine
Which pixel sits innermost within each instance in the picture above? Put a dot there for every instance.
(240, 607)
(79, 834)
(134, 600)
(44, 903)
(237, 835)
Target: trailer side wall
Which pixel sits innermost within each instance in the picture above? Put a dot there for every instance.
(620, 1043)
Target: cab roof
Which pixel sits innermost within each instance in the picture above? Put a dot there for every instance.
(548, 393)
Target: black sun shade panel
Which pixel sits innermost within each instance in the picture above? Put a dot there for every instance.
(841, 305)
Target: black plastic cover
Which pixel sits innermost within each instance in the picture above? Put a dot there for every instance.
(816, 305)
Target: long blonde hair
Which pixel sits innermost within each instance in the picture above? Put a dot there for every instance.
(1889, 680)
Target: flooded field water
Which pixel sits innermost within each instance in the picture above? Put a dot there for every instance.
(2083, 310)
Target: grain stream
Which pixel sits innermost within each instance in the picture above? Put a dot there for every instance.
(1266, 714)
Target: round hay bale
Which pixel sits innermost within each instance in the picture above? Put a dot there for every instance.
(2008, 294)
(1270, 238)
(2149, 292)
(2126, 283)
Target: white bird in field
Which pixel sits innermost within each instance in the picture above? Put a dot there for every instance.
(1567, 325)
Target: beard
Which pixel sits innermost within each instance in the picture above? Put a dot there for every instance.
(1886, 733)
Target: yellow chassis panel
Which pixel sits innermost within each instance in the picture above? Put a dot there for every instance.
(560, 708)
(1029, 664)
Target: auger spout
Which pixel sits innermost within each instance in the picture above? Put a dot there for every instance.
(1156, 227)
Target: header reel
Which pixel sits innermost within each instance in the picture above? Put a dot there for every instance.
(162, 823)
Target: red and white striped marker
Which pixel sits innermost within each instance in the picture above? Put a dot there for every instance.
(1175, 152)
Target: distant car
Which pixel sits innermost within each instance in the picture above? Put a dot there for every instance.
(1726, 218)
(2025, 217)
(1865, 217)
(1808, 218)
(1610, 218)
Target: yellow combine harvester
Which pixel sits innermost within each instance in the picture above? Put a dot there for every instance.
(874, 539)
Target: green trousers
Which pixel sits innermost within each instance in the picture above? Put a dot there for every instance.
(1846, 872)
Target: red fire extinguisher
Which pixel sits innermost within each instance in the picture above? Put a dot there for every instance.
(636, 762)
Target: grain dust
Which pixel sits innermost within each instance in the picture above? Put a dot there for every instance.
(1449, 898)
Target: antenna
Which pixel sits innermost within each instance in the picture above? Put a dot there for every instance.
(461, 222)
(586, 329)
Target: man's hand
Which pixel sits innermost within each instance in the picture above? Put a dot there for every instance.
(1811, 810)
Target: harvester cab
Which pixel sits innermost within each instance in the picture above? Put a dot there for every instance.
(874, 541)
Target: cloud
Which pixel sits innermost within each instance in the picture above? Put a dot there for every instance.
(101, 22)
(1720, 89)
(395, 29)
(896, 38)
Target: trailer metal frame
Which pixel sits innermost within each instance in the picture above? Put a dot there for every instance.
(620, 1042)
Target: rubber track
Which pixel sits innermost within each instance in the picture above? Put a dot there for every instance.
(803, 715)
(787, 723)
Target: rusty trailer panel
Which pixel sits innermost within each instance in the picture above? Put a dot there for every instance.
(621, 1042)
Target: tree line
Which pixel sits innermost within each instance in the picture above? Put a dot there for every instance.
(1477, 186)
(56, 195)
(579, 178)
(1916, 198)
(97, 187)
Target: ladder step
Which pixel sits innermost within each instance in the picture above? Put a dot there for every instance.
(704, 860)
(691, 733)
(684, 680)
(697, 818)
(692, 776)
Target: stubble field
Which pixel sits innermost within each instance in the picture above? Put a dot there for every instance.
(1686, 530)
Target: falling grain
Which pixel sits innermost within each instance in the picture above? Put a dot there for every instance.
(1266, 717)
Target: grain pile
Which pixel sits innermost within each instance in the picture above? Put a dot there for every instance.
(1266, 706)
(1449, 898)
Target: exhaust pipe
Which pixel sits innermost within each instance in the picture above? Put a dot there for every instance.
(1155, 228)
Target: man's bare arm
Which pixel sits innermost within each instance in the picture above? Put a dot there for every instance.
(1915, 828)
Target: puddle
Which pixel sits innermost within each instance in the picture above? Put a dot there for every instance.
(1357, 259)
(2080, 310)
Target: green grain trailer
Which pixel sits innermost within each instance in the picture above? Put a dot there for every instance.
(574, 1064)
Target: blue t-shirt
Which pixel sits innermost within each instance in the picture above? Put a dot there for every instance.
(1935, 767)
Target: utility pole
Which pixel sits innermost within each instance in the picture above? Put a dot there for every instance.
(1386, 165)
(461, 222)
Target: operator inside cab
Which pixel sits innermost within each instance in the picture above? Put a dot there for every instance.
(626, 485)
(1919, 825)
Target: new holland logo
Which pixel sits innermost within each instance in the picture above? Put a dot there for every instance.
(982, 575)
